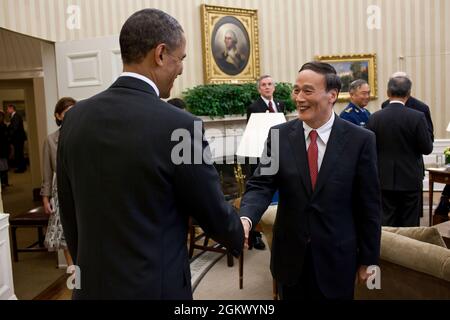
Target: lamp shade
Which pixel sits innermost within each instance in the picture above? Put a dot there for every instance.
(256, 131)
(448, 127)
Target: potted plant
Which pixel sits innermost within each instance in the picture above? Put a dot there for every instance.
(447, 155)
(219, 100)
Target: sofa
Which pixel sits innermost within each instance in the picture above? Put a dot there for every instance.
(414, 263)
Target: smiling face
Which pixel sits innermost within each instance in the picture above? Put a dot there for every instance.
(361, 96)
(173, 67)
(314, 103)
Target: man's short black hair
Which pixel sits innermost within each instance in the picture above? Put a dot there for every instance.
(332, 80)
(145, 30)
(177, 102)
(399, 87)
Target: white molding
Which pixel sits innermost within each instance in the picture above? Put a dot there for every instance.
(116, 69)
(92, 57)
(22, 74)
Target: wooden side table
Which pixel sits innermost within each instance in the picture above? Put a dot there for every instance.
(440, 175)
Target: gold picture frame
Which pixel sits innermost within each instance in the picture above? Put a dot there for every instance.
(230, 41)
(351, 67)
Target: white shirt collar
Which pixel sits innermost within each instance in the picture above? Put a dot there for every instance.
(141, 77)
(397, 101)
(274, 106)
(323, 132)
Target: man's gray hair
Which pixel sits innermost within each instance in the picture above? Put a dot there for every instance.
(258, 82)
(356, 84)
(399, 87)
(145, 30)
(232, 34)
(400, 74)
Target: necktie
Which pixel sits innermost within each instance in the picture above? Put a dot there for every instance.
(313, 154)
(271, 109)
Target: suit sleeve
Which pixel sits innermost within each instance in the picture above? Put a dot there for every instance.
(199, 193)
(282, 107)
(367, 203)
(424, 136)
(66, 201)
(429, 122)
(261, 186)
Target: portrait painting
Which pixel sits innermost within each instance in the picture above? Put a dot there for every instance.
(352, 67)
(230, 45)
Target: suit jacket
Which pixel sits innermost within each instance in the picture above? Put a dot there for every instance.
(403, 137)
(49, 163)
(341, 217)
(125, 204)
(16, 131)
(259, 106)
(418, 105)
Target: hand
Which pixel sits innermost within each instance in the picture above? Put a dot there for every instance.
(47, 206)
(362, 275)
(246, 226)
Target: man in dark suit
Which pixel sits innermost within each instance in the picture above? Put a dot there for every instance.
(403, 136)
(126, 184)
(265, 102)
(418, 105)
(327, 229)
(414, 104)
(17, 137)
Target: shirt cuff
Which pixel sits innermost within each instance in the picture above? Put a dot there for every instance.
(250, 221)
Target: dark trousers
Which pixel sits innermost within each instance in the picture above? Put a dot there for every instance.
(4, 178)
(19, 158)
(401, 208)
(446, 191)
(307, 287)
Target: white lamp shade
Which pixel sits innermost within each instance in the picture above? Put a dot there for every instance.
(256, 131)
(448, 127)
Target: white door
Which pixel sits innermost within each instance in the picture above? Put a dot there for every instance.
(87, 67)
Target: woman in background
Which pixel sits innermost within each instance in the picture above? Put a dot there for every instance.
(54, 238)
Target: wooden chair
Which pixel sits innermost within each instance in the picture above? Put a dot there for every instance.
(214, 247)
(34, 218)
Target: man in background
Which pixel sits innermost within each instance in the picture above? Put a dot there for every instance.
(17, 137)
(420, 106)
(356, 111)
(265, 103)
(403, 137)
(414, 104)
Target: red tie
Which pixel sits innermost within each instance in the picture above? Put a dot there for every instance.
(270, 107)
(313, 154)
